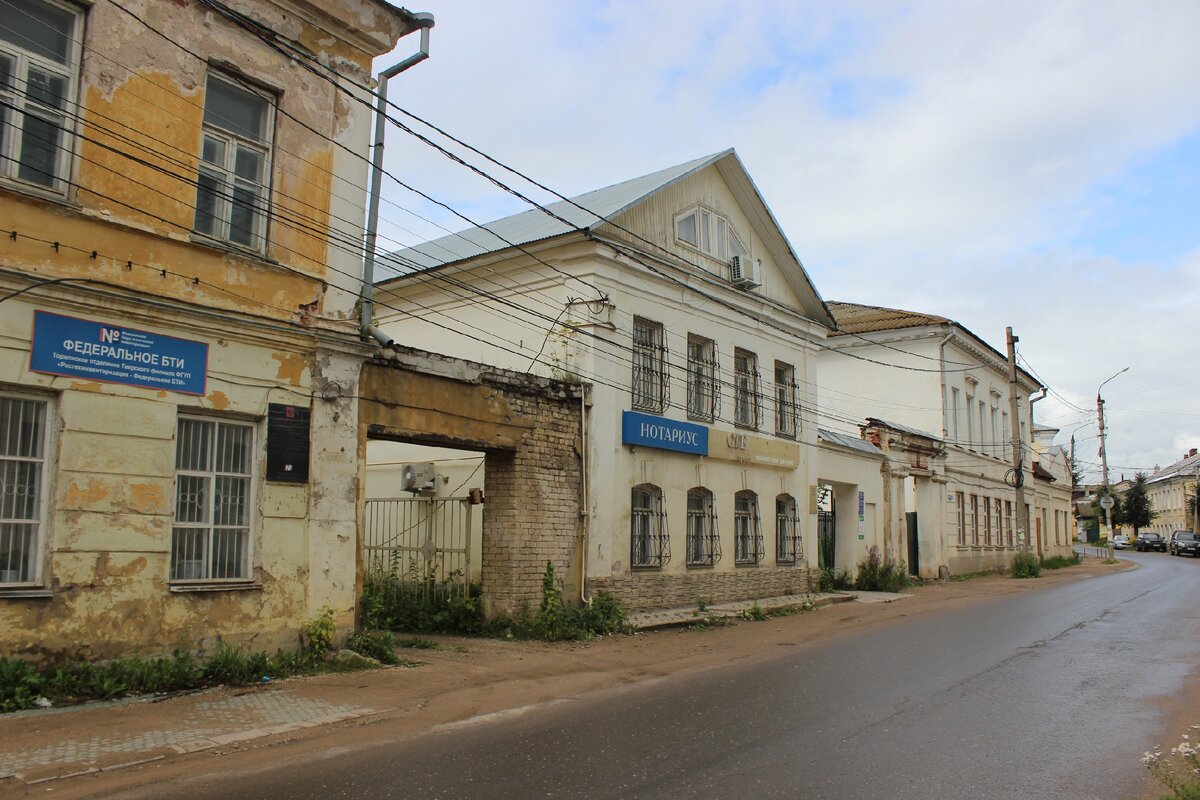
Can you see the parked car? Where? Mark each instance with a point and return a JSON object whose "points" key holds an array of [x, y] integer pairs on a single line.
{"points": [[1120, 542], [1185, 543], [1150, 541]]}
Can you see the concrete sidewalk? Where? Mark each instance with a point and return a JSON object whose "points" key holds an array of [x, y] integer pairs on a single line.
{"points": [[47, 744]]}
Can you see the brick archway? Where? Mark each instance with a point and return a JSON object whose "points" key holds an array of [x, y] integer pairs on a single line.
{"points": [[529, 429]]}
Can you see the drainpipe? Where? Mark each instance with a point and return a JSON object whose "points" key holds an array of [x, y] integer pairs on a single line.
{"points": [[942, 374], [585, 512], [425, 22]]}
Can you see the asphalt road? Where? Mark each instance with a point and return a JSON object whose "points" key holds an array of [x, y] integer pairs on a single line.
{"points": [[1047, 694]]}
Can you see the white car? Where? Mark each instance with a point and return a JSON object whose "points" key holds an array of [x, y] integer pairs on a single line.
{"points": [[1120, 542]]}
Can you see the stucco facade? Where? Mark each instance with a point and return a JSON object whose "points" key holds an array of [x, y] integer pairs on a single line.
{"points": [[1169, 489], [933, 381], [200, 483], [701, 476]]}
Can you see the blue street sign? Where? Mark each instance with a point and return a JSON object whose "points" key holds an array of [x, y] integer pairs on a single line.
{"points": [[98, 351], [646, 430]]}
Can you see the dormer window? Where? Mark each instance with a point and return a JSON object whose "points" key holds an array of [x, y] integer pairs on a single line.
{"points": [[709, 233]]}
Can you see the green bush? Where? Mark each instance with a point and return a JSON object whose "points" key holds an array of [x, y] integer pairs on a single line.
{"points": [[423, 606], [319, 631], [20, 684], [556, 621], [835, 580], [876, 574], [379, 645], [1025, 565]]}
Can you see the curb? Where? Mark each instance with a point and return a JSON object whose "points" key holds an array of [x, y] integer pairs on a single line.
{"points": [[694, 618]]}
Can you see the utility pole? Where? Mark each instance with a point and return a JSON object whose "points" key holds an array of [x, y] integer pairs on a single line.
{"points": [[1104, 459], [1014, 410]]}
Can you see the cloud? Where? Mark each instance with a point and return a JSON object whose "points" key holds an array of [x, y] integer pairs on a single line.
{"points": [[957, 158]]}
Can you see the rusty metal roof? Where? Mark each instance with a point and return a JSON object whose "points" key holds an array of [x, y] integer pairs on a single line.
{"points": [[856, 318]]}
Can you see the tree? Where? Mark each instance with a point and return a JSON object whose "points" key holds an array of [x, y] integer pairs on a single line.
{"points": [[1137, 509], [1193, 506]]}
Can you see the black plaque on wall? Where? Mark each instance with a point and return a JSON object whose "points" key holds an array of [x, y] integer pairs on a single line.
{"points": [[287, 443]]}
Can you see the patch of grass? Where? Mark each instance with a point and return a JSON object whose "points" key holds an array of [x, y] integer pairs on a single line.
{"points": [[753, 613], [417, 643], [967, 576], [379, 645], [1025, 565], [1058, 562]]}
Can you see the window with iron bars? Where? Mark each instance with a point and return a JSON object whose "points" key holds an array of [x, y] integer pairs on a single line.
{"points": [[704, 399], [703, 541], [747, 403], [789, 547], [22, 493], [787, 412], [650, 547], [747, 529], [210, 538], [650, 385]]}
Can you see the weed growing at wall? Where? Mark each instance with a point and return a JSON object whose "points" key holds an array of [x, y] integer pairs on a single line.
{"points": [[318, 632], [876, 574], [555, 621], [835, 580], [1025, 565]]}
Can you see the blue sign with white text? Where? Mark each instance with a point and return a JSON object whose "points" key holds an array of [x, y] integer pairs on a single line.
{"points": [[646, 430], [80, 348]]}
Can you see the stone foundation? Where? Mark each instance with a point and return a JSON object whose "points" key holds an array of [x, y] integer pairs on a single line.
{"points": [[640, 591]]}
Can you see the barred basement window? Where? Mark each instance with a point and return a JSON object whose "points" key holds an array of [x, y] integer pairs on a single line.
{"points": [[649, 366], [650, 547], [787, 416], [746, 399], [789, 548], [747, 529], [22, 466], [210, 540], [703, 541], [703, 397]]}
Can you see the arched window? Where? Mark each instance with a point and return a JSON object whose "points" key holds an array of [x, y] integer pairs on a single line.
{"points": [[703, 543], [747, 531], [789, 549], [649, 546]]}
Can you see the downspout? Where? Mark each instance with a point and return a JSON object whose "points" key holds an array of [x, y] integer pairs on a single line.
{"points": [[942, 374], [425, 22], [585, 510]]}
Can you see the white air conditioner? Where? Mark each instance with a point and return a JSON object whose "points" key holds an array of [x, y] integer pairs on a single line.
{"points": [[743, 271], [418, 478]]}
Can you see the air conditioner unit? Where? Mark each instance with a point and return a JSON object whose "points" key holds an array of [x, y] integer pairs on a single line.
{"points": [[418, 478], [743, 271]]}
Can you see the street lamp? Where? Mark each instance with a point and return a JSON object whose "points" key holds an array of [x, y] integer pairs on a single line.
{"points": [[1107, 502]]}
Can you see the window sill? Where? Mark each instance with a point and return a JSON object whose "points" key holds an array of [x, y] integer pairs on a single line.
{"points": [[25, 593], [744, 564], [237, 586], [229, 247], [40, 192]]}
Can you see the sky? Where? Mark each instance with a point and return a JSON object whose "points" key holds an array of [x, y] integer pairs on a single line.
{"points": [[1025, 164]]}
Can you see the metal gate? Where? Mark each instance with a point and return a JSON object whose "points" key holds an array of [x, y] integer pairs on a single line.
{"points": [[914, 552], [419, 543], [826, 529]]}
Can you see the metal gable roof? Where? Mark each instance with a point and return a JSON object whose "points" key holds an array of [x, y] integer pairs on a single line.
{"points": [[596, 208], [535, 225]]}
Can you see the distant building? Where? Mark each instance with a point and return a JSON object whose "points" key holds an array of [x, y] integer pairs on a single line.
{"points": [[948, 389], [1168, 489]]}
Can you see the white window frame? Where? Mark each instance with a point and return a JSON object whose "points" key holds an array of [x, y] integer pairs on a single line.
{"points": [[747, 529], [787, 409], [12, 120], [225, 172], [34, 558], [649, 541], [204, 574], [702, 371], [746, 399], [703, 541], [650, 385], [715, 237]]}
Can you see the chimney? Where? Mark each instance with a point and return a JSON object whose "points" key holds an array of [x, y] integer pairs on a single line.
{"points": [[1191, 452]]}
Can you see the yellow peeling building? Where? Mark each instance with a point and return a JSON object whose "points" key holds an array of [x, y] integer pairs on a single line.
{"points": [[181, 201]]}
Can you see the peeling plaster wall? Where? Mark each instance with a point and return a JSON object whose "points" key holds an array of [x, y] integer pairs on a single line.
{"points": [[280, 328]]}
